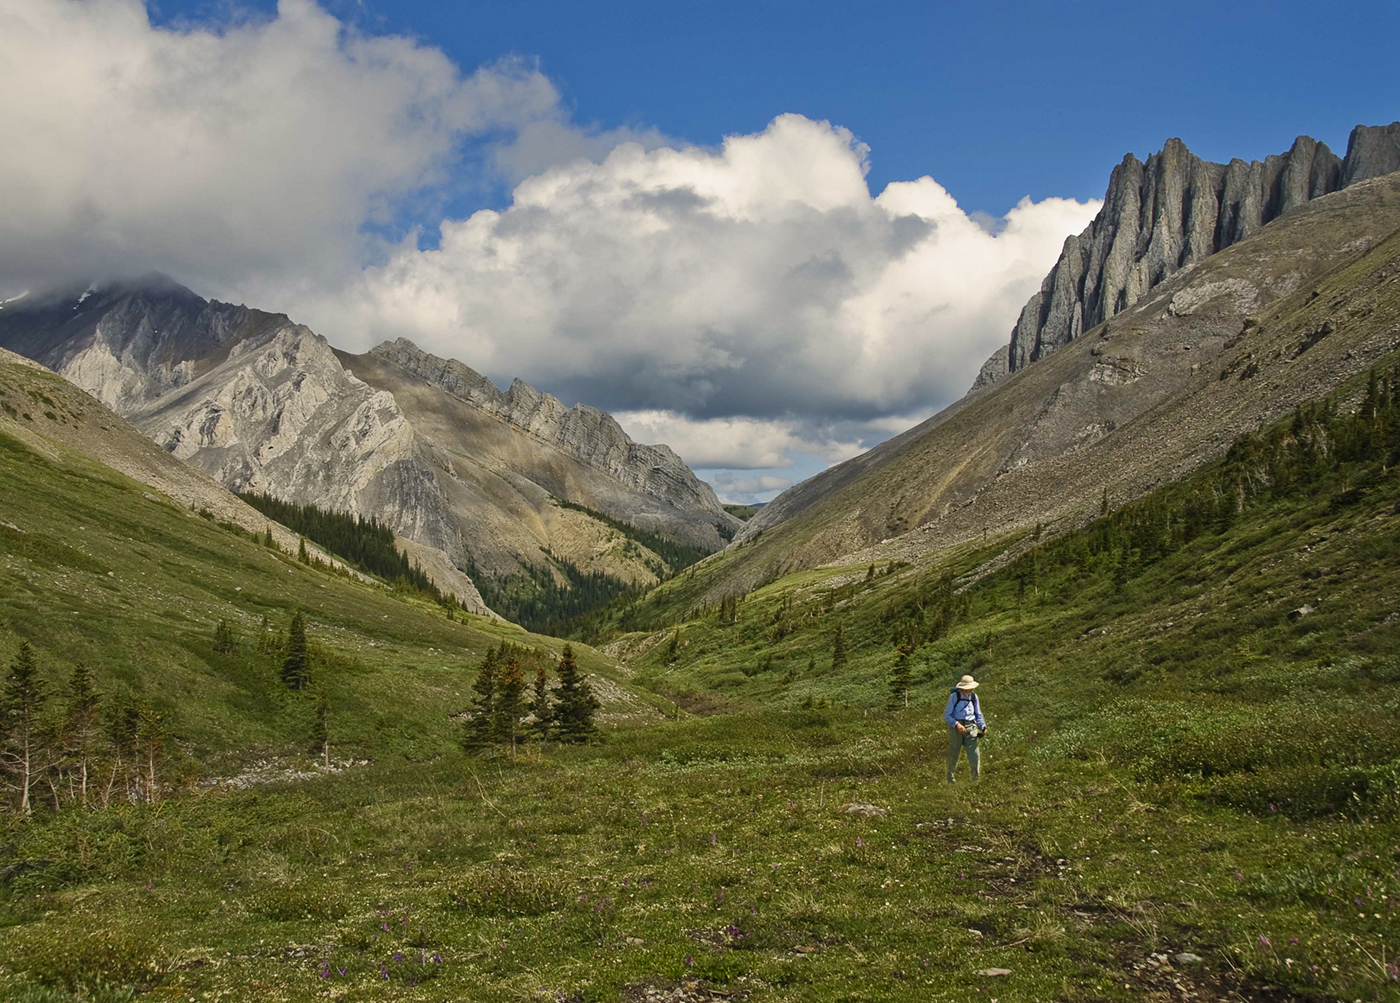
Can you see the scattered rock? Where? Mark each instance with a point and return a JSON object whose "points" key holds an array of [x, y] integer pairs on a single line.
{"points": [[863, 810], [1187, 958], [1297, 614], [993, 972]]}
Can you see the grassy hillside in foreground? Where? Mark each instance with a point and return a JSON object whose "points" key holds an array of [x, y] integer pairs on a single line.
{"points": [[99, 569], [1173, 765]]}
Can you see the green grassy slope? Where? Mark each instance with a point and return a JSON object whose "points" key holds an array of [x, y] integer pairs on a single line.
{"points": [[99, 569], [1174, 764]]}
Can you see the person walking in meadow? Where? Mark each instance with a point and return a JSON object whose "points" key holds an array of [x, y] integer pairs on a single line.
{"points": [[963, 716]]}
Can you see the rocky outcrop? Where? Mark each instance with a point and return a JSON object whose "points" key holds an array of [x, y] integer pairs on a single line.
{"points": [[586, 433], [1168, 214]]}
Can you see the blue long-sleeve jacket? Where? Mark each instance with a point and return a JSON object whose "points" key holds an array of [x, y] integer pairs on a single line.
{"points": [[958, 710]]}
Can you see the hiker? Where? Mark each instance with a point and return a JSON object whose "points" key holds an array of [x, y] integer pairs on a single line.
{"points": [[963, 716]]}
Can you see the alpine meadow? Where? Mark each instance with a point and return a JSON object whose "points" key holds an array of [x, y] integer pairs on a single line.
{"points": [[332, 671]]}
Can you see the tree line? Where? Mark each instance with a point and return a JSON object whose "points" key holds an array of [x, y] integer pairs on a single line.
{"points": [[366, 544]]}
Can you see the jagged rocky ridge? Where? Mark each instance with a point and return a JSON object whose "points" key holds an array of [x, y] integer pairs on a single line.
{"points": [[264, 404], [1283, 316], [1167, 214]]}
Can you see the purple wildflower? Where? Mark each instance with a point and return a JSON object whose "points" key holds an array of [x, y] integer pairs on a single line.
{"points": [[437, 959], [689, 961], [398, 956]]}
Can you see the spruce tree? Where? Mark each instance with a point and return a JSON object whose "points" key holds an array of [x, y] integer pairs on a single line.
{"points": [[267, 537], [150, 740], [20, 708], [838, 649], [576, 703], [510, 704], [302, 555], [224, 641], [80, 733], [899, 679], [540, 705], [296, 666], [477, 733], [122, 721]]}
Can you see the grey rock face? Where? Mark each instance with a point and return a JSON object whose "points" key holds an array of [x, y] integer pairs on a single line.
{"points": [[263, 404], [586, 433], [1166, 215]]}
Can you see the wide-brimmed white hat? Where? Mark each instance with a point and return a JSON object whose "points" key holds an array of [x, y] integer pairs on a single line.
{"points": [[967, 683]]}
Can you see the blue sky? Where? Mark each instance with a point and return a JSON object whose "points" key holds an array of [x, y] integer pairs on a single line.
{"points": [[996, 100], [768, 234]]}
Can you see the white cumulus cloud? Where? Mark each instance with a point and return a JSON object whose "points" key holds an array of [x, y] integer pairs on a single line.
{"points": [[265, 148], [747, 303], [760, 281]]}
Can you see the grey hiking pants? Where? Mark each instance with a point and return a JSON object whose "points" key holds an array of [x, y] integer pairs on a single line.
{"points": [[957, 741]]}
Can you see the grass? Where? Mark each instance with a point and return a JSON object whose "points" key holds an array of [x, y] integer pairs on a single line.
{"points": [[98, 570], [709, 852], [1173, 765]]}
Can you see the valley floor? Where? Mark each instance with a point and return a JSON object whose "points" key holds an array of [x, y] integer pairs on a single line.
{"points": [[710, 859]]}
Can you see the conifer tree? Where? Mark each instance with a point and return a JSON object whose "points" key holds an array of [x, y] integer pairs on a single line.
{"points": [[150, 740], [838, 649], [267, 537], [899, 679], [302, 555], [122, 721], [80, 733], [477, 733], [510, 704], [20, 708], [576, 703], [811, 665], [224, 641], [296, 665], [540, 705]]}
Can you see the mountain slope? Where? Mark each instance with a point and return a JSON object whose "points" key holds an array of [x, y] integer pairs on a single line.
{"points": [[108, 561], [1280, 317], [263, 404]]}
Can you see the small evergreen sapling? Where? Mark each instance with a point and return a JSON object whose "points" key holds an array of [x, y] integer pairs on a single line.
{"points": [[21, 706], [510, 704], [476, 734], [80, 725], [576, 704], [296, 665], [838, 649]]}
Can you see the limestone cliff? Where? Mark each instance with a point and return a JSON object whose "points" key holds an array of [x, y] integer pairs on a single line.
{"points": [[1168, 214]]}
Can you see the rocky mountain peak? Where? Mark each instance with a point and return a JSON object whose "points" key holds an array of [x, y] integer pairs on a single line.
{"points": [[1167, 214], [586, 433]]}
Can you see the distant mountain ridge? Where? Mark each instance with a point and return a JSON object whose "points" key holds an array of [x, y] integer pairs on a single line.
{"points": [[1168, 214], [264, 404]]}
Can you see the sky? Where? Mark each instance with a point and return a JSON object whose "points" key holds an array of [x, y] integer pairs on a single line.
{"points": [[768, 234]]}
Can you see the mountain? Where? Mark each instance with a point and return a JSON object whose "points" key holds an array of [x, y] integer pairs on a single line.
{"points": [[472, 476], [1167, 214], [1279, 317]]}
